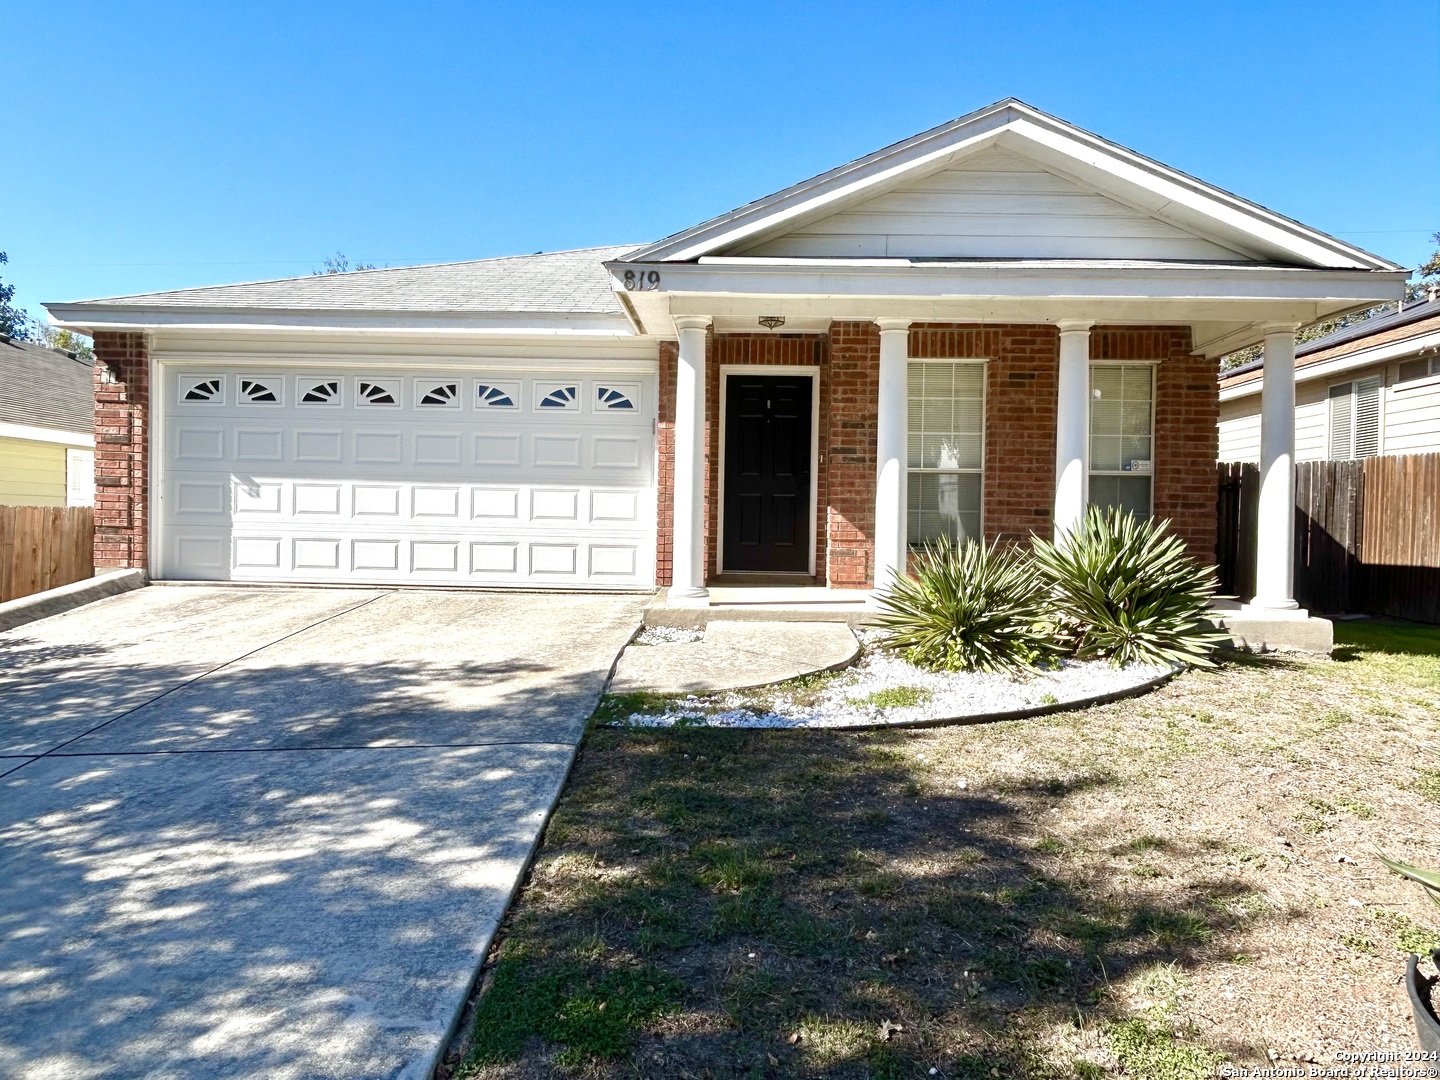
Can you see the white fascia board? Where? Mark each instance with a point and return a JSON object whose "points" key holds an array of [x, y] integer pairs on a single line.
{"points": [[900, 278], [32, 433], [107, 317], [1169, 187], [1377, 354]]}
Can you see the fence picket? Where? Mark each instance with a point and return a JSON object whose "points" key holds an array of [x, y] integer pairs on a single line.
{"points": [[42, 547]]}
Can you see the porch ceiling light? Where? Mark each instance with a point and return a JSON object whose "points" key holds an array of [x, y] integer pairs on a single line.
{"points": [[772, 321]]}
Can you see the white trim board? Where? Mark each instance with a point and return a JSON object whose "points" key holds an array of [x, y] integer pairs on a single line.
{"points": [[1339, 365], [34, 433]]}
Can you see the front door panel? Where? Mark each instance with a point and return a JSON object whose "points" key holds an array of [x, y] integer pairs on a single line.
{"points": [[767, 473]]}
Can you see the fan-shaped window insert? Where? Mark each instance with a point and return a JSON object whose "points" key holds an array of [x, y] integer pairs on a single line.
{"points": [[609, 397], [488, 396], [443, 395], [207, 390], [321, 393], [255, 392], [562, 397], [374, 393]]}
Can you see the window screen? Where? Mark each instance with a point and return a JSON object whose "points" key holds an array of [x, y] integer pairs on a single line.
{"points": [[1355, 419]]}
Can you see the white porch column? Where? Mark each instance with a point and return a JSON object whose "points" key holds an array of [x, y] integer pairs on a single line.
{"points": [[688, 529], [890, 451], [1275, 533], [1072, 425]]}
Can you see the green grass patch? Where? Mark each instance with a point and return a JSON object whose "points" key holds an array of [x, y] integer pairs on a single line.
{"points": [[589, 1011], [1151, 1050], [618, 708], [895, 697], [1405, 933]]}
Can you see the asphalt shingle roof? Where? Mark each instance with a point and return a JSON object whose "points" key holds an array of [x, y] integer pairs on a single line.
{"points": [[45, 388], [556, 282]]}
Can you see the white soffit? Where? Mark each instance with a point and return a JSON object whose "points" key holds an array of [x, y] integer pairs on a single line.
{"points": [[1170, 198]]}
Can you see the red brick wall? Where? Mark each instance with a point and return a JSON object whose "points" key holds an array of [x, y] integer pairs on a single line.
{"points": [[850, 512], [1020, 385], [665, 464], [783, 350], [1187, 412], [1020, 407], [122, 457]]}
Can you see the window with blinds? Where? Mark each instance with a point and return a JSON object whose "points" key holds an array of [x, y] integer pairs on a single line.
{"points": [[1355, 419], [1122, 424], [946, 401]]}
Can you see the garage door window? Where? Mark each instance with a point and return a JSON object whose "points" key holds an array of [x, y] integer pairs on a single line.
{"points": [[320, 393], [491, 396], [256, 392], [562, 397], [615, 397], [439, 395], [379, 393], [202, 390]]}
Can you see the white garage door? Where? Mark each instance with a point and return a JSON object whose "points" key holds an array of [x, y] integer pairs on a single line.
{"points": [[486, 478]]}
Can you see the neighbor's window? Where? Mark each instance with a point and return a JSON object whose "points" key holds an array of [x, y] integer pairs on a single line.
{"points": [[946, 445], [1355, 419], [1419, 368], [1122, 428]]}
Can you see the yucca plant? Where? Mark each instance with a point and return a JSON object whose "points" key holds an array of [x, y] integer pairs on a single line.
{"points": [[1429, 880], [1123, 589], [967, 606]]}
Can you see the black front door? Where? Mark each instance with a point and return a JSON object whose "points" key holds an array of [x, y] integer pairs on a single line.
{"points": [[767, 473]]}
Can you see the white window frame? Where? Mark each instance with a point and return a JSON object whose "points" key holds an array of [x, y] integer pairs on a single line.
{"points": [[983, 363], [1353, 398], [1090, 469]]}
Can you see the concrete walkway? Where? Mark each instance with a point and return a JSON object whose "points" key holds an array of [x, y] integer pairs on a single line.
{"points": [[734, 656], [271, 832]]}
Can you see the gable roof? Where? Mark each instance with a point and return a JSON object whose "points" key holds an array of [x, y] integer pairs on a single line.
{"points": [[42, 387], [559, 282], [1165, 194]]}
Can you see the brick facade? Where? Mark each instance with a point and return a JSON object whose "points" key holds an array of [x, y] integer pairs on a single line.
{"points": [[1020, 412], [122, 450]]}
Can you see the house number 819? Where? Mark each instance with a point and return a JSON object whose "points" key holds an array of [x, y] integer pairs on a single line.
{"points": [[644, 282]]}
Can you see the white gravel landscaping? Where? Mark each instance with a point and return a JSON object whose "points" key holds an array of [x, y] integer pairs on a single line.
{"points": [[882, 688], [667, 635]]}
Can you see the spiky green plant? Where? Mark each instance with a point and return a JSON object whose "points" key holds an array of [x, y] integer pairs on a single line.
{"points": [[967, 606], [1429, 880], [1123, 589]]}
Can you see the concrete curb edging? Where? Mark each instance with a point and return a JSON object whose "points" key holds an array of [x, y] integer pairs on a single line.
{"points": [[42, 605], [1137, 690]]}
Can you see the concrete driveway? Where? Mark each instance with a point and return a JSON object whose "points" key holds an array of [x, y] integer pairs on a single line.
{"points": [[271, 832]]}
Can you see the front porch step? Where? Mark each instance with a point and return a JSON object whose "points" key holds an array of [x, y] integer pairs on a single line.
{"points": [[754, 603]]}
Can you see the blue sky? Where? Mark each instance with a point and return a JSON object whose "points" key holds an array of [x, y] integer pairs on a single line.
{"points": [[160, 146]]}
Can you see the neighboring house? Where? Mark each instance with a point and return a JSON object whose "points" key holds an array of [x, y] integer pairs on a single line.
{"points": [[47, 441], [969, 333], [1372, 388]]}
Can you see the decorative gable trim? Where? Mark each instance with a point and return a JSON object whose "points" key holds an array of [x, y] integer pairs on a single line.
{"points": [[1166, 193]]}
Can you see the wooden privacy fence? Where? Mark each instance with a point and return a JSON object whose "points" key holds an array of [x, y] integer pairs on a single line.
{"points": [[42, 547], [1367, 534]]}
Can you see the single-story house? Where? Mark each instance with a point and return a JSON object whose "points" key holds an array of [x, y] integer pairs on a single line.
{"points": [[1367, 389], [47, 444], [972, 332]]}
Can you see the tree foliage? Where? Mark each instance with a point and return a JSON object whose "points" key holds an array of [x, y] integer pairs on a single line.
{"points": [[13, 320], [339, 264]]}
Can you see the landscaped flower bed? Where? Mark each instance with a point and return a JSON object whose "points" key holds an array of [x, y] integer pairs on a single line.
{"points": [[883, 688]]}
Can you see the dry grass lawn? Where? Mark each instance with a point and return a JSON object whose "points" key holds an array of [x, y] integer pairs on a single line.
{"points": [[1147, 888]]}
